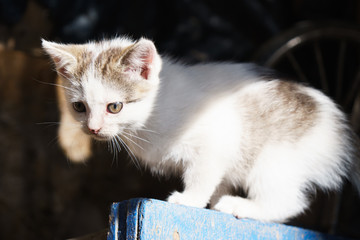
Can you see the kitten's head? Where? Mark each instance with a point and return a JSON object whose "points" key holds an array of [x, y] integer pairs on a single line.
{"points": [[109, 85]]}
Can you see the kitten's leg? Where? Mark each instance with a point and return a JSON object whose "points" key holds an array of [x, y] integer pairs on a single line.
{"points": [[200, 179], [276, 190], [75, 143], [268, 210], [222, 189]]}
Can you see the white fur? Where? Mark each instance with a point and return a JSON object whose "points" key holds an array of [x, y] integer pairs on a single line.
{"points": [[203, 136], [194, 124]]}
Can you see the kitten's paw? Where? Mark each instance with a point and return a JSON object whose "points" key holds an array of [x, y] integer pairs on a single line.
{"points": [[226, 205], [76, 145], [237, 206], [78, 152], [186, 199]]}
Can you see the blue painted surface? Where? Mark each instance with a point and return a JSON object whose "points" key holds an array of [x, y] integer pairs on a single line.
{"points": [[147, 219]]}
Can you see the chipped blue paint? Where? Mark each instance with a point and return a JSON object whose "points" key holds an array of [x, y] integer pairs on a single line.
{"points": [[145, 219]]}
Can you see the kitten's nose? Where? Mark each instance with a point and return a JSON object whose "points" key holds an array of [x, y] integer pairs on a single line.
{"points": [[94, 131]]}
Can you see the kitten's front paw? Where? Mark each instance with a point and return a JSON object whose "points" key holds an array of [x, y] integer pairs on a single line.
{"points": [[237, 206], [186, 199], [76, 144], [226, 205]]}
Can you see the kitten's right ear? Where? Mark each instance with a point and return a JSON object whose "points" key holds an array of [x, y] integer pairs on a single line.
{"points": [[62, 56]]}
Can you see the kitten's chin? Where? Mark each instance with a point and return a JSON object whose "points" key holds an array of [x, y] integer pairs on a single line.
{"points": [[100, 137]]}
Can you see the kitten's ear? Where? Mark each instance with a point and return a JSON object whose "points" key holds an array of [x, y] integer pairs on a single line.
{"points": [[62, 56], [142, 58]]}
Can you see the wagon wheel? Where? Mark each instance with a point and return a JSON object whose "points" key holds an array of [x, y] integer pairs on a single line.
{"points": [[325, 55]]}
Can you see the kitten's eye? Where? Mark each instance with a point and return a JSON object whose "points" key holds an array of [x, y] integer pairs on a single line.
{"points": [[114, 107], [79, 107]]}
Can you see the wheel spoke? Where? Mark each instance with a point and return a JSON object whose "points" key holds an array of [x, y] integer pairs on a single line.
{"points": [[296, 67], [340, 69], [354, 90], [321, 68]]}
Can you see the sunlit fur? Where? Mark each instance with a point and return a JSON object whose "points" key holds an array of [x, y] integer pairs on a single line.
{"points": [[220, 125]]}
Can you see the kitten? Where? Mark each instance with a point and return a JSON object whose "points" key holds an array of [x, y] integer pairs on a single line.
{"points": [[220, 125]]}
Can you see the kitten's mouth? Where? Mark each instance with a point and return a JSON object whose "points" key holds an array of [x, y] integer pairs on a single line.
{"points": [[97, 136], [100, 137]]}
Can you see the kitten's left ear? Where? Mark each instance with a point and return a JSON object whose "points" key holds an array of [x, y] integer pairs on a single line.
{"points": [[142, 58]]}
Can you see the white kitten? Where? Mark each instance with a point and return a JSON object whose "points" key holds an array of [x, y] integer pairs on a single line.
{"points": [[221, 126]]}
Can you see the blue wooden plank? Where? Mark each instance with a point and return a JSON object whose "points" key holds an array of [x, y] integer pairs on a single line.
{"points": [[147, 219], [116, 229]]}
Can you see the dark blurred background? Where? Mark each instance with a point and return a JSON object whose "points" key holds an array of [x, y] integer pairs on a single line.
{"points": [[44, 196]]}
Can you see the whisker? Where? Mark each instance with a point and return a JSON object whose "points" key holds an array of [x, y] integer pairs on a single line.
{"points": [[64, 76], [134, 136], [108, 145], [56, 85], [117, 145], [55, 140], [147, 130], [140, 129], [128, 150], [66, 127], [133, 142], [115, 150], [48, 123]]}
